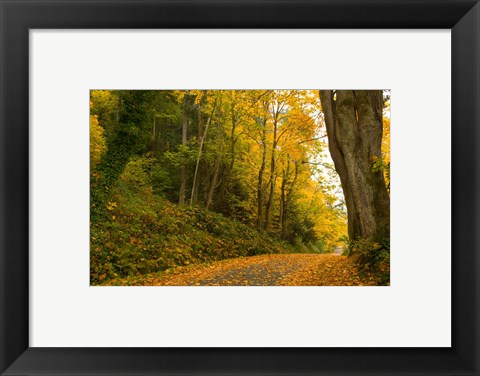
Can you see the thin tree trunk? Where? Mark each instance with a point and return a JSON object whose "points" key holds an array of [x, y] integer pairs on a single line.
{"points": [[288, 200], [213, 183], [260, 177], [183, 169], [233, 141], [268, 208], [119, 106], [154, 127], [200, 149], [216, 167], [154, 133], [283, 203]]}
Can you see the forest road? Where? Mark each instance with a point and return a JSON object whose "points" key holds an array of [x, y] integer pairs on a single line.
{"points": [[264, 270]]}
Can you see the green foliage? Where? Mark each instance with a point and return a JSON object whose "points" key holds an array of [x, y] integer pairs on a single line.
{"points": [[310, 247], [137, 173], [146, 233], [185, 155], [373, 257], [121, 145], [301, 228], [234, 203], [164, 182], [379, 165]]}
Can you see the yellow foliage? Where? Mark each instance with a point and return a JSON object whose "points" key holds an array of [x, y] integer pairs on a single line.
{"points": [[386, 147], [98, 145], [111, 205]]}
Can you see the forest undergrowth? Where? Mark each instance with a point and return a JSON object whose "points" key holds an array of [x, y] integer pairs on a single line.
{"points": [[146, 233]]}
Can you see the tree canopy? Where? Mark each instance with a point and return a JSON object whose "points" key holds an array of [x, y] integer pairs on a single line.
{"points": [[258, 160]]}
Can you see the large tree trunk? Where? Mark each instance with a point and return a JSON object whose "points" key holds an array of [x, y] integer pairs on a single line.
{"points": [[354, 125]]}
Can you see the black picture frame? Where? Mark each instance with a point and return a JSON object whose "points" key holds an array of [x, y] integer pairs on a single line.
{"points": [[18, 16]]}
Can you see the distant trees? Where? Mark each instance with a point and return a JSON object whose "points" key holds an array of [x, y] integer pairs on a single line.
{"points": [[354, 122], [244, 153]]}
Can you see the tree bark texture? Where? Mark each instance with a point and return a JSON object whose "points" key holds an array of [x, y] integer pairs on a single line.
{"points": [[353, 119]]}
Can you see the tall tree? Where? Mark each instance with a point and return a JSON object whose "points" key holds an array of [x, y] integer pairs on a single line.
{"points": [[200, 149], [287, 190], [261, 171], [183, 168], [122, 144], [279, 103], [353, 119], [277, 107]]}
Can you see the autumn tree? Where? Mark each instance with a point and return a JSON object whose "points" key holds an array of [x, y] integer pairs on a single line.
{"points": [[183, 168], [124, 141], [106, 108], [354, 124], [261, 125], [246, 154]]}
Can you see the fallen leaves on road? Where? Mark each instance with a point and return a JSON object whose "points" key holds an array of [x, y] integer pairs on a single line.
{"points": [[328, 270], [264, 270]]}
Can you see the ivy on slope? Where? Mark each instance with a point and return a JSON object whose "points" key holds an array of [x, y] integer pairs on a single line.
{"points": [[145, 233]]}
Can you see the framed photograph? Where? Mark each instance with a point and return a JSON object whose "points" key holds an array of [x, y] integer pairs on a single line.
{"points": [[232, 187]]}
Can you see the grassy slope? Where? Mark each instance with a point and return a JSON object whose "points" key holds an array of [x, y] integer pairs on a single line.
{"points": [[146, 234]]}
